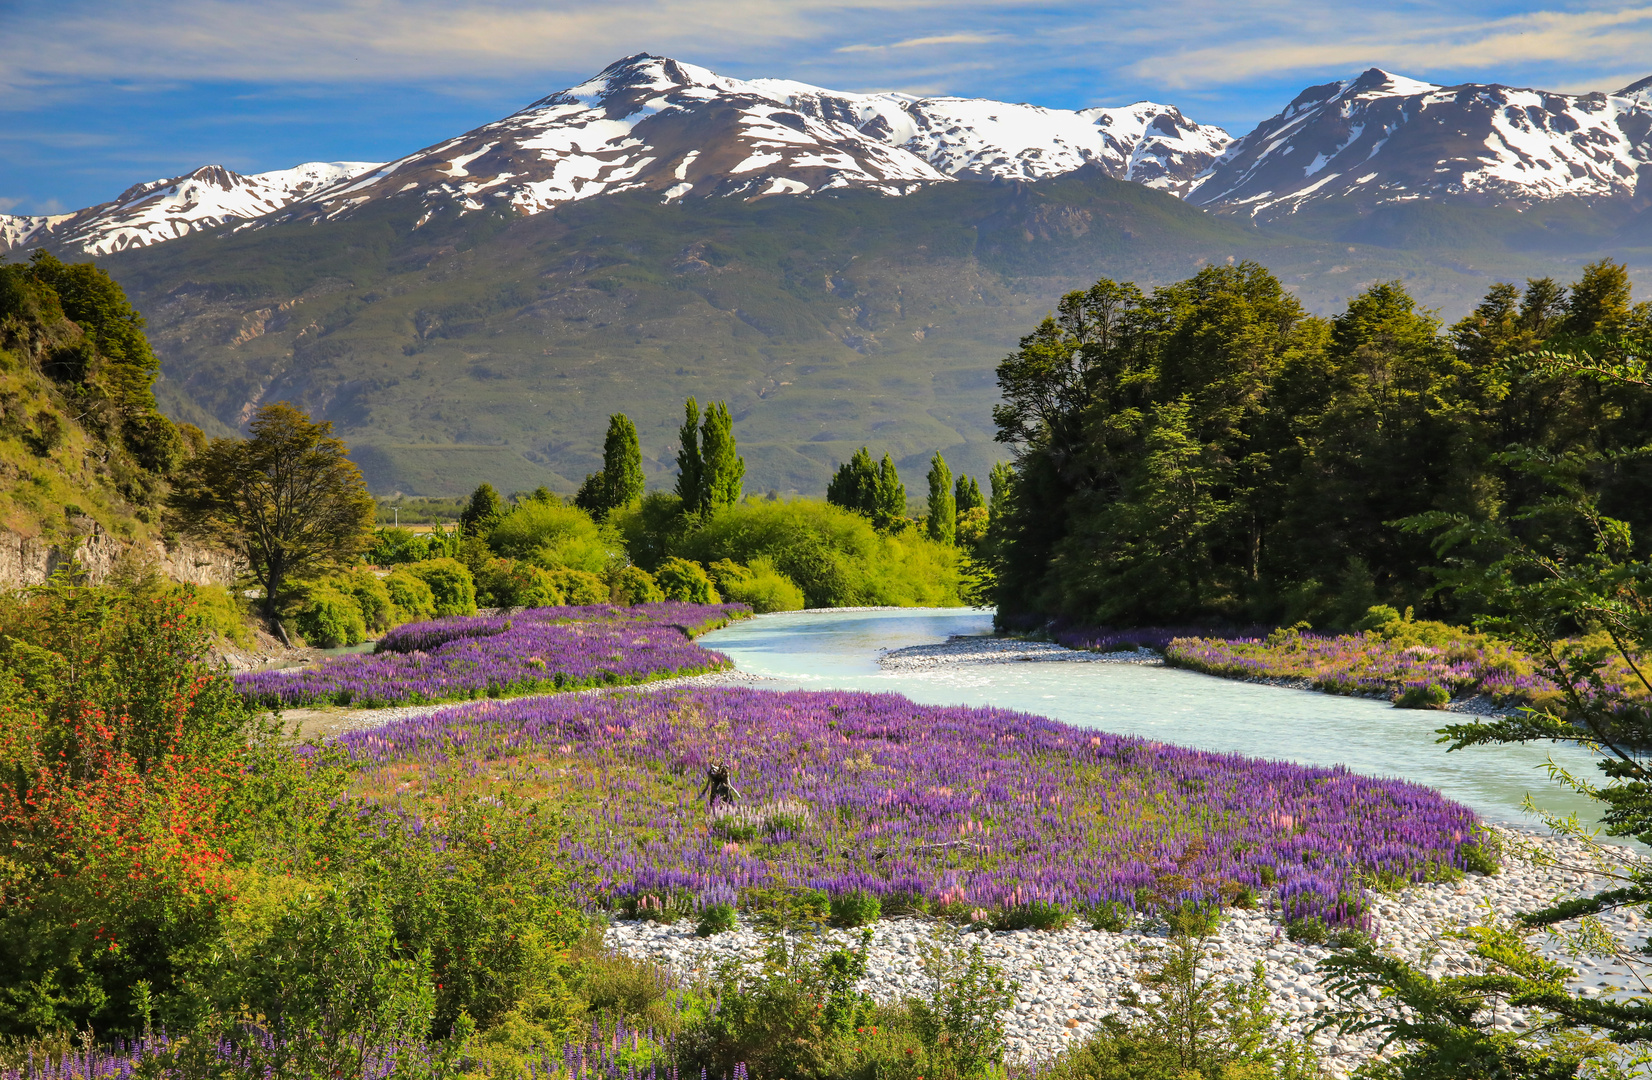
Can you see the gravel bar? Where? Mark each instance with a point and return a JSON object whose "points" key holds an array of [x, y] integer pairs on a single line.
{"points": [[968, 649], [1070, 979]]}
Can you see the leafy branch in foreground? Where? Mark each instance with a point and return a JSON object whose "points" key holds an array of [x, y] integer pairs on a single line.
{"points": [[1565, 584]]}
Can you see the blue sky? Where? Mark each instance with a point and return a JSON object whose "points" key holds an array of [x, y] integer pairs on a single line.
{"points": [[96, 95]]}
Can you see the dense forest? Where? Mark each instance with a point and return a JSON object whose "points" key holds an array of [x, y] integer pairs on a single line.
{"points": [[1208, 452]]}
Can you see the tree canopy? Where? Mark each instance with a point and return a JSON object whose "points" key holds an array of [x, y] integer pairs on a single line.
{"points": [[287, 499], [620, 483], [1210, 451], [942, 520], [874, 491]]}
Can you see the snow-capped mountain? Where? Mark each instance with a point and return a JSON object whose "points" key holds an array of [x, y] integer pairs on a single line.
{"points": [[652, 123], [649, 123], [1147, 143], [167, 209], [1383, 138]]}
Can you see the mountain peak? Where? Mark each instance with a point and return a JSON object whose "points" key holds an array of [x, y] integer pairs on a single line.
{"points": [[648, 122], [1641, 89], [1383, 138], [1377, 82], [171, 207]]}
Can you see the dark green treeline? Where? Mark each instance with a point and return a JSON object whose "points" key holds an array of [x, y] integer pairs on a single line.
{"points": [[1210, 452]]}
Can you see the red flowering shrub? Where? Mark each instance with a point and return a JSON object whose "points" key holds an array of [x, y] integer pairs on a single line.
{"points": [[121, 755]]}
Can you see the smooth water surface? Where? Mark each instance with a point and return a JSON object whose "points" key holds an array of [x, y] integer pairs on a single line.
{"points": [[839, 650]]}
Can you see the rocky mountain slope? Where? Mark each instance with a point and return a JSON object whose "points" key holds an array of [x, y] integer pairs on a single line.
{"points": [[650, 123], [1383, 138], [166, 209], [653, 124], [844, 269]]}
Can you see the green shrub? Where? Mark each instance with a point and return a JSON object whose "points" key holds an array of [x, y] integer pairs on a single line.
{"points": [[1192, 1028], [799, 1017], [371, 595], [716, 919], [218, 610], [1037, 915], [759, 586], [640, 992], [553, 536], [412, 597], [634, 585], [580, 587], [787, 905], [1194, 920], [1308, 930], [329, 618], [960, 1023], [858, 908], [1112, 916], [832, 555], [451, 585], [1432, 696], [685, 581], [507, 583], [1479, 858], [904, 903]]}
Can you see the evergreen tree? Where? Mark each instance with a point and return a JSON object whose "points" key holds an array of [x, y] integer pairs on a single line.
{"points": [[943, 508], [620, 482], [889, 502], [855, 486], [722, 470], [483, 513], [689, 488], [1001, 479], [966, 494]]}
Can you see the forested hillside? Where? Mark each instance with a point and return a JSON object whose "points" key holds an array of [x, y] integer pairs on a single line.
{"points": [[1208, 451], [82, 444], [490, 348]]}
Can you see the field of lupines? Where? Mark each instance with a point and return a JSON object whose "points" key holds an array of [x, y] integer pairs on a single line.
{"points": [[1412, 675], [533, 651], [973, 808]]}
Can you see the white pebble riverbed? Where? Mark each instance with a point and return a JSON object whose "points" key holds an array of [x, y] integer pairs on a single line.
{"points": [[1070, 979]]}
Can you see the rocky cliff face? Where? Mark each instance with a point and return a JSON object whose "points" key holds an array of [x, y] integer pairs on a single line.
{"points": [[27, 560]]}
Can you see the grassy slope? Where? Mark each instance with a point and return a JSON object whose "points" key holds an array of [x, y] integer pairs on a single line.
{"points": [[490, 349], [42, 480]]}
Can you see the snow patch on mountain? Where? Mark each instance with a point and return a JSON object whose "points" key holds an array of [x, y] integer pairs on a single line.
{"points": [[679, 131], [1385, 138], [652, 123], [173, 207]]}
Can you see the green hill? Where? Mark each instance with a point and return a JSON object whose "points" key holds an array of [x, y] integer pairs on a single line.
{"points": [[492, 348], [82, 447]]}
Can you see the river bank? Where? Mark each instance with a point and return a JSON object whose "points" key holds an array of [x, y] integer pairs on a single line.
{"points": [[1069, 980], [964, 649]]}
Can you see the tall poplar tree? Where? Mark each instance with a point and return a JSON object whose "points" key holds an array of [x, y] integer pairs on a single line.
{"points": [[722, 470], [889, 506], [966, 494], [1001, 479], [943, 508], [620, 482], [689, 466]]}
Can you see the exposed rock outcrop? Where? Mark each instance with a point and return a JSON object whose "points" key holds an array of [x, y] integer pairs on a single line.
{"points": [[28, 560]]}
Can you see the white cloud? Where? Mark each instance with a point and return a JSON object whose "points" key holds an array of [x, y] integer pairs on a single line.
{"points": [[1609, 39], [918, 42]]}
